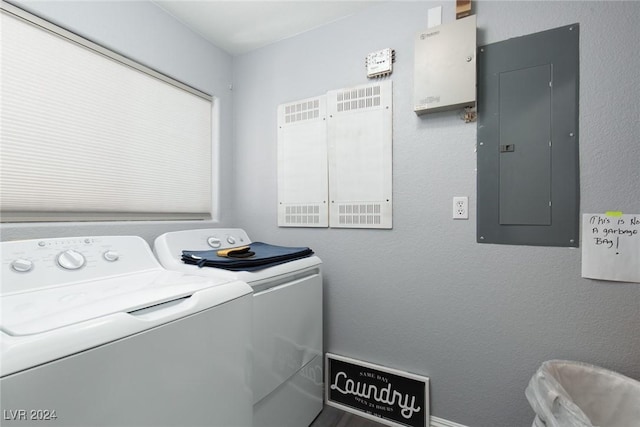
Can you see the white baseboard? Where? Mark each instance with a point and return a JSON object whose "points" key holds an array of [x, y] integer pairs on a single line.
{"points": [[440, 422]]}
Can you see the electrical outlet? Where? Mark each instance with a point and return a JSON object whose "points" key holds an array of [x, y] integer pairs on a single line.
{"points": [[461, 207]]}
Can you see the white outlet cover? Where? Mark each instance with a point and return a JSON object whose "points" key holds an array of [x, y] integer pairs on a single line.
{"points": [[460, 207]]}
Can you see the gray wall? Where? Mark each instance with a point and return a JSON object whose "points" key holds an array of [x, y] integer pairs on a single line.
{"points": [[424, 297], [142, 31]]}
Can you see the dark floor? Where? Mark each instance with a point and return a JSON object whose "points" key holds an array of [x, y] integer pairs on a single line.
{"points": [[333, 417]]}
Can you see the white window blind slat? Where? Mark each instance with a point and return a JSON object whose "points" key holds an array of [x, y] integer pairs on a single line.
{"points": [[83, 133]]}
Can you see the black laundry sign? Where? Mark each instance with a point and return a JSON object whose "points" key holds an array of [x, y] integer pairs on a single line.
{"points": [[386, 395]]}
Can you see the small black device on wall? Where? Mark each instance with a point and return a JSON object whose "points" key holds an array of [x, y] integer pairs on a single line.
{"points": [[528, 164]]}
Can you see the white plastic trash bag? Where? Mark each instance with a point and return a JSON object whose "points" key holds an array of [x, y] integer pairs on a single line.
{"points": [[573, 394]]}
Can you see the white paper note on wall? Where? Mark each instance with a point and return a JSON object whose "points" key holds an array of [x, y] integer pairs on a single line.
{"points": [[611, 247]]}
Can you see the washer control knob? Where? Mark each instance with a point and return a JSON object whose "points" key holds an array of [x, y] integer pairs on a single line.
{"points": [[22, 265], [71, 260], [231, 240], [214, 242], [111, 256]]}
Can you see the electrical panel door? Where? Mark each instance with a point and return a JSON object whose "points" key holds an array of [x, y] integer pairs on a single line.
{"points": [[528, 175]]}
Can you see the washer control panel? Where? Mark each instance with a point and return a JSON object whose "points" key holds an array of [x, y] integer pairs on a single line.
{"points": [[226, 238], [169, 246], [204, 239], [41, 263]]}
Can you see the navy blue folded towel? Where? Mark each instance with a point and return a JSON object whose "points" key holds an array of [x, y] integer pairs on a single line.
{"points": [[266, 255]]}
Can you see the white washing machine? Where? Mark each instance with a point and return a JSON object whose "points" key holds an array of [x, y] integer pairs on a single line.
{"points": [[287, 324], [94, 332]]}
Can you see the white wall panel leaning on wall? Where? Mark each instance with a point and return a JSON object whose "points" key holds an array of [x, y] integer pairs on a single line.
{"points": [[335, 159]]}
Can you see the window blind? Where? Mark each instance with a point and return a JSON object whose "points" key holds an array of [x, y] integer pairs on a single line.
{"points": [[89, 135]]}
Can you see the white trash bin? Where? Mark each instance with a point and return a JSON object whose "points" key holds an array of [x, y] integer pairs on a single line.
{"points": [[573, 394]]}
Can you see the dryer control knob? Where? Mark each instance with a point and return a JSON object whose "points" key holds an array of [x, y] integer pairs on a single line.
{"points": [[22, 265], [71, 260], [111, 256], [214, 242], [231, 240]]}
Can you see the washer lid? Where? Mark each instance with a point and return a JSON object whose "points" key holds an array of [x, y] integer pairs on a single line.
{"points": [[41, 311]]}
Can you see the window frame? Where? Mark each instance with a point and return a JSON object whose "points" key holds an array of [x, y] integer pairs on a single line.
{"points": [[19, 216]]}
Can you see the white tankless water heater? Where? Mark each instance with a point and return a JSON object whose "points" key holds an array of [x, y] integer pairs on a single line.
{"points": [[445, 67]]}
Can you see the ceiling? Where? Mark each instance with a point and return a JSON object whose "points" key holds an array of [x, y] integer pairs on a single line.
{"points": [[239, 26]]}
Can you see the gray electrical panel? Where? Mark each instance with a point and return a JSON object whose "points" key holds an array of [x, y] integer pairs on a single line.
{"points": [[528, 165]]}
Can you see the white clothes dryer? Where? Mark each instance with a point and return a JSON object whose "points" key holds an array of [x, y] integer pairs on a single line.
{"points": [[287, 324], [94, 332]]}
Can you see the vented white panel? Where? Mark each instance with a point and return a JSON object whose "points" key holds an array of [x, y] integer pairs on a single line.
{"points": [[357, 98], [302, 164], [366, 214], [85, 135], [360, 156]]}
